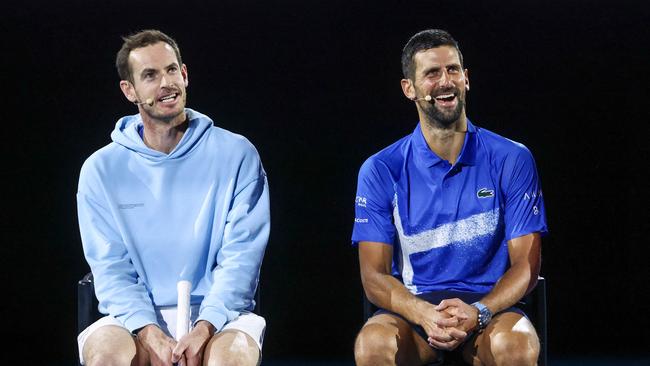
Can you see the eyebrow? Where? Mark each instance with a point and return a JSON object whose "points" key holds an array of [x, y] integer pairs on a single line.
{"points": [[432, 68], [438, 67], [146, 71], [150, 69], [173, 64]]}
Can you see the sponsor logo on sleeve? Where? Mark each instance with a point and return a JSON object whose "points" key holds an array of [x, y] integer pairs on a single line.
{"points": [[485, 193], [532, 195], [360, 221], [360, 201]]}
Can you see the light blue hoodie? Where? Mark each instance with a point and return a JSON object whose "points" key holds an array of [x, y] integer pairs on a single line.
{"points": [[149, 219]]}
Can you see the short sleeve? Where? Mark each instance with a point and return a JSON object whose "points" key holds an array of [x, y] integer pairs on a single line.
{"points": [[373, 204], [524, 203]]}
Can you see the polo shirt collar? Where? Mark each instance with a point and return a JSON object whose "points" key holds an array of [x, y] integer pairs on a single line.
{"points": [[468, 153], [427, 157]]}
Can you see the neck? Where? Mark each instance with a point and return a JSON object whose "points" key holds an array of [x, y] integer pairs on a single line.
{"points": [[161, 135], [445, 141]]}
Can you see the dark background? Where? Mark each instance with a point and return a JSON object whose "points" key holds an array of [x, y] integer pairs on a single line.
{"points": [[315, 86]]}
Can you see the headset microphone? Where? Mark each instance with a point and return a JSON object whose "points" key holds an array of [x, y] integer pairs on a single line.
{"points": [[148, 102], [427, 98]]}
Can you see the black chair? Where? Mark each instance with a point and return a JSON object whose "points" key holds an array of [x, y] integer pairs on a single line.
{"points": [[87, 304], [533, 304]]}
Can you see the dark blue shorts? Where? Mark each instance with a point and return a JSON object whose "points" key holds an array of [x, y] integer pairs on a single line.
{"points": [[437, 296]]}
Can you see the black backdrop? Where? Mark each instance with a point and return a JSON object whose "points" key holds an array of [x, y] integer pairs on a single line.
{"points": [[315, 86]]}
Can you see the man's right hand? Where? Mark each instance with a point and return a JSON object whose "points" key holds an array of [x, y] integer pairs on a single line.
{"points": [[157, 344], [441, 327], [387, 292]]}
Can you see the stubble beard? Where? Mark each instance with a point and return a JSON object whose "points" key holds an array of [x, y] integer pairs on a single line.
{"points": [[166, 118], [443, 119]]}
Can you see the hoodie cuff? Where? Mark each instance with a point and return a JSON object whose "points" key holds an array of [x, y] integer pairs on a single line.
{"points": [[138, 320], [217, 319]]}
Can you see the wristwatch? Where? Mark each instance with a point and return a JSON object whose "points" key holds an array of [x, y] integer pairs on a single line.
{"points": [[484, 315]]}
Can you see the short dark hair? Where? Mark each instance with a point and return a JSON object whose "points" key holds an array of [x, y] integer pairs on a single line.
{"points": [[424, 40], [141, 39]]}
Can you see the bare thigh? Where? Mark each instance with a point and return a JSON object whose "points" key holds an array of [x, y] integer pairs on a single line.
{"points": [[231, 347], [115, 345], [508, 335], [389, 339]]}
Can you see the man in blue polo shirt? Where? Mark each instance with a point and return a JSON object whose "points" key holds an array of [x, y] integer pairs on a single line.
{"points": [[448, 224]]}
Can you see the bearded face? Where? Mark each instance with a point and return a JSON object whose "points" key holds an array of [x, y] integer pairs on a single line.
{"points": [[445, 107], [439, 74]]}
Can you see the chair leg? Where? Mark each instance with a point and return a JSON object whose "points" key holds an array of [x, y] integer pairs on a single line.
{"points": [[85, 297], [87, 311], [542, 321]]}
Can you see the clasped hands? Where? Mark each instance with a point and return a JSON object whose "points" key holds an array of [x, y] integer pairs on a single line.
{"points": [[448, 323], [165, 351]]}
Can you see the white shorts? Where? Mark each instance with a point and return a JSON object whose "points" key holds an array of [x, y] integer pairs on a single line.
{"points": [[251, 324]]}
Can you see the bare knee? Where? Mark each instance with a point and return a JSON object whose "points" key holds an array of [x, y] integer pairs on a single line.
{"points": [[514, 348], [375, 345], [109, 346], [108, 359], [232, 348]]}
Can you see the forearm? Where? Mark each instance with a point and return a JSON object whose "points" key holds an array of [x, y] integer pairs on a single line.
{"points": [[513, 285], [235, 276], [389, 293], [115, 278], [234, 282], [521, 277]]}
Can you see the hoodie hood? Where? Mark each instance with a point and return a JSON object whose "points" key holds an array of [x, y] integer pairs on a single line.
{"points": [[126, 134]]}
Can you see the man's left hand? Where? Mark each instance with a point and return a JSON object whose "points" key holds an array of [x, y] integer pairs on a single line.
{"points": [[467, 316], [189, 349]]}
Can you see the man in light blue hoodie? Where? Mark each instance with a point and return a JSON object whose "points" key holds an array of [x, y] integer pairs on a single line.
{"points": [[171, 198]]}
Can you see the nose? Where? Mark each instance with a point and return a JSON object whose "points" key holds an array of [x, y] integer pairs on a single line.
{"points": [[445, 78], [165, 81]]}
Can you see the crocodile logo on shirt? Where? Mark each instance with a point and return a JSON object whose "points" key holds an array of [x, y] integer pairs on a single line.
{"points": [[485, 193]]}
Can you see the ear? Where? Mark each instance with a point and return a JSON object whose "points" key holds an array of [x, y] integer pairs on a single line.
{"points": [[128, 90], [407, 88], [184, 73], [466, 79]]}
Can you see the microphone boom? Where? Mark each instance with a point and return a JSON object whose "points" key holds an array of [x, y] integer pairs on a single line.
{"points": [[148, 102]]}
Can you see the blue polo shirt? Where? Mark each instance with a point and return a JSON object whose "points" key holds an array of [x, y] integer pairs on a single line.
{"points": [[449, 224]]}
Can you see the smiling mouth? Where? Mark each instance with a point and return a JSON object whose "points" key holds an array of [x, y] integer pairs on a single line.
{"points": [[445, 97], [168, 98]]}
